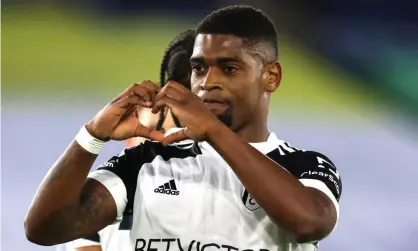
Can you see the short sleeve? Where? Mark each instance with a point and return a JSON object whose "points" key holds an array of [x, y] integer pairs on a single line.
{"points": [[93, 240], [119, 176], [68, 246], [315, 170]]}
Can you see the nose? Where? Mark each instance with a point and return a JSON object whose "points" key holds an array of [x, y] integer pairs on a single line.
{"points": [[212, 81]]}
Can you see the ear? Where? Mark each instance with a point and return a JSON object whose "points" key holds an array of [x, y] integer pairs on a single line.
{"points": [[272, 76]]}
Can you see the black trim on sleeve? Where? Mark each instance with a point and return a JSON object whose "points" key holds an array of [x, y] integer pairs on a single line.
{"points": [[310, 165], [126, 223], [128, 164]]}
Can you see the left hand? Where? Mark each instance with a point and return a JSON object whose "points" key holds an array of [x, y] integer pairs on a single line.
{"points": [[189, 108]]}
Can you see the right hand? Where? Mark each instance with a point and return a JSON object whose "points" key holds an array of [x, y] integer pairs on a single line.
{"points": [[118, 120]]}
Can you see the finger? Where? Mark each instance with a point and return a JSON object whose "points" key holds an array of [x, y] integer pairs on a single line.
{"points": [[177, 86], [132, 100], [169, 92], [175, 137], [163, 102], [151, 84], [125, 93], [148, 84], [148, 133], [130, 110], [173, 91], [158, 106], [147, 91]]}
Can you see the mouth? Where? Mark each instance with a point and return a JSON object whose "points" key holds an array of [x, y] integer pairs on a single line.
{"points": [[214, 104]]}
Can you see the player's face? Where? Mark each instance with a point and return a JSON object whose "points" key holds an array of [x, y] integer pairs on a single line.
{"points": [[228, 79]]}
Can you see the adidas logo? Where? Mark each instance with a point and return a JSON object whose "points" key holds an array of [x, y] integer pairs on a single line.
{"points": [[168, 188]]}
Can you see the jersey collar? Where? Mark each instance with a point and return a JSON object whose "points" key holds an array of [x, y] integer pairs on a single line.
{"points": [[269, 145], [265, 147]]}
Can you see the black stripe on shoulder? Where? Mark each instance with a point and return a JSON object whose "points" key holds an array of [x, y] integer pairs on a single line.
{"points": [[128, 164], [151, 150], [144, 153], [309, 165]]}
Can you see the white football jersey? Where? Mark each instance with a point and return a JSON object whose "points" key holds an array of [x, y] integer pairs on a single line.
{"points": [[186, 197], [65, 247]]}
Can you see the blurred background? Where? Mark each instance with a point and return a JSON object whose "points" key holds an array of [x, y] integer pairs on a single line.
{"points": [[350, 90]]}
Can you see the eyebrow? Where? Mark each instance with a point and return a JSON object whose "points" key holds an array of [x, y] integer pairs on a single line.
{"points": [[221, 60]]}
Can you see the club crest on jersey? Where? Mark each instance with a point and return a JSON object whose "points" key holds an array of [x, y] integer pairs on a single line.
{"points": [[249, 201]]}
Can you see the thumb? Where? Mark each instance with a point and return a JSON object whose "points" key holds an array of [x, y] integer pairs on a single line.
{"points": [[148, 133], [175, 137]]}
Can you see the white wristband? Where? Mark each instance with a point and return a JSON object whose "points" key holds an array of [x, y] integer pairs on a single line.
{"points": [[88, 142]]}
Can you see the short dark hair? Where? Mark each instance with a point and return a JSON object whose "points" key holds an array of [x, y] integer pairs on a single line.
{"points": [[248, 23], [176, 66]]}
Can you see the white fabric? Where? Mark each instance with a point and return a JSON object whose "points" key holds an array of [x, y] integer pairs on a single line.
{"points": [[209, 210], [172, 130], [111, 239], [323, 188], [65, 247], [84, 243], [115, 186]]}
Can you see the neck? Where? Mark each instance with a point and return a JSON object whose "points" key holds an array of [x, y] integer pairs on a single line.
{"points": [[254, 132]]}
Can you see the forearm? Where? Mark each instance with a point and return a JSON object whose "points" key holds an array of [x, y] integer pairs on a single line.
{"points": [[277, 191], [55, 204]]}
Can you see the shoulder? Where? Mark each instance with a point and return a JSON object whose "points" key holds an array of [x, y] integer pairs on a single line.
{"points": [[284, 152], [134, 157], [298, 156], [65, 247], [309, 166]]}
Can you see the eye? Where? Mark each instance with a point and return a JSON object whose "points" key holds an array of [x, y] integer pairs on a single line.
{"points": [[197, 69], [230, 69]]}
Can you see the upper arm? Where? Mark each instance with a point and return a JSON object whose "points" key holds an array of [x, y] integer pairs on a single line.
{"points": [[103, 198], [108, 193], [95, 210], [118, 176], [317, 172]]}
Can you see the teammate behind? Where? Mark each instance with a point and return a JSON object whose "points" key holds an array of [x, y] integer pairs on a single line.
{"points": [[175, 66], [237, 187]]}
